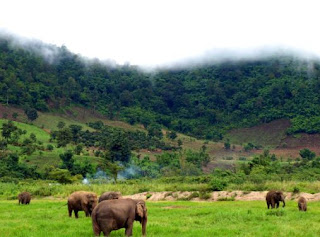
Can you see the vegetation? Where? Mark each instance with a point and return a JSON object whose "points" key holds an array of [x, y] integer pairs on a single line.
{"points": [[204, 101]]}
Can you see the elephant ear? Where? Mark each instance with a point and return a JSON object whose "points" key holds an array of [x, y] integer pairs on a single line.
{"points": [[140, 209], [86, 200]]}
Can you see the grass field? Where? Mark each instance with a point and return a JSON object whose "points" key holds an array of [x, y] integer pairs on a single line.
{"points": [[50, 218]]}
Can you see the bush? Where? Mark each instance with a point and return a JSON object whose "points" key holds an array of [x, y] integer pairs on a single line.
{"points": [[218, 184], [295, 190], [248, 147], [7, 179], [227, 198], [50, 147], [204, 195], [228, 158]]}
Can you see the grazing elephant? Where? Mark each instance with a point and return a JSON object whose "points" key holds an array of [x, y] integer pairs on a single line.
{"points": [[274, 197], [109, 196], [24, 198], [82, 201], [119, 213], [302, 204]]}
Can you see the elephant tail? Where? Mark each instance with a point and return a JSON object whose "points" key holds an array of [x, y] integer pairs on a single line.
{"points": [[95, 226]]}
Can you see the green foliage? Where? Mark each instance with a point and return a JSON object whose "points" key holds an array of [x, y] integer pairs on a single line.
{"points": [[248, 146], [172, 135], [31, 113], [227, 144], [118, 148], [203, 101], [154, 130], [15, 115], [67, 160], [96, 125], [50, 147], [113, 169], [63, 176], [61, 124], [10, 167], [7, 129], [78, 149], [307, 154], [63, 137], [218, 184]]}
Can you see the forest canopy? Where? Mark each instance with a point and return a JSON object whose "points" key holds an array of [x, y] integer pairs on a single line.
{"points": [[203, 101]]}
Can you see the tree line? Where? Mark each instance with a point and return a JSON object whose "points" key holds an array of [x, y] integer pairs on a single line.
{"points": [[202, 101]]}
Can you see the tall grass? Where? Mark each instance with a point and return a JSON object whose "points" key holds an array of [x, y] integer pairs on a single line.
{"points": [[40, 189]]}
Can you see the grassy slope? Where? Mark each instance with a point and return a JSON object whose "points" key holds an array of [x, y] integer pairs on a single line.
{"points": [[44, 158], [271, 135], [268, 134], [50, 218]]}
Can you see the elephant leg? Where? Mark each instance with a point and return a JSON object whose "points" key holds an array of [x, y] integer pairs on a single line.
{"points": [[272, 204], [277, 204], [76, 213], [70, 212], [85, 209], [106, 232], [129, 230], [96, 230]]}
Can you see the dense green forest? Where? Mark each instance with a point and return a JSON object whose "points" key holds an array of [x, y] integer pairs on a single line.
{"points": [[203, 101]]}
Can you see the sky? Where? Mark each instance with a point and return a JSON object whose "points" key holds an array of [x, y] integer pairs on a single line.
{"points": [[153, 33]]}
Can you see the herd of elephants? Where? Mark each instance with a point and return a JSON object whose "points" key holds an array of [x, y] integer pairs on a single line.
{"points": [[112, 212]]}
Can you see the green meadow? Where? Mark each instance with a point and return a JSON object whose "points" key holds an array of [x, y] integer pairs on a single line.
{"points": [[184, 218]]}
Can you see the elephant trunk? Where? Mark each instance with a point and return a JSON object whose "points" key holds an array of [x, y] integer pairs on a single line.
{"points": [[144, 225], [284, 204]]}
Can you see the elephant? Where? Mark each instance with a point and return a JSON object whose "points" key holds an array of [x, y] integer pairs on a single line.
{"points": [[119, 213], [82, 201], [302, 204], [109, 195], [274, 197], [24, 198]]}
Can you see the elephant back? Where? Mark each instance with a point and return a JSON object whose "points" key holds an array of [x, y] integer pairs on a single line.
{"points": [[109, 196]]}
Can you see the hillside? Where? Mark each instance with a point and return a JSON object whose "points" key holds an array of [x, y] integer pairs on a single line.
{"points": [[77, 118], [204, 101]]}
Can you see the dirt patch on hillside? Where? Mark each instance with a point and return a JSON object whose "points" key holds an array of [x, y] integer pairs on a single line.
{"points": [[8, 111], [266, 134], [217, 196]]}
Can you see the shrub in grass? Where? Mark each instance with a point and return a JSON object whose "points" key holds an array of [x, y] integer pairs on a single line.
{"points": [[226, 198], [204, 195], [143, 189], [193, 195], [218, 184], [50, 147], [295, 190]]}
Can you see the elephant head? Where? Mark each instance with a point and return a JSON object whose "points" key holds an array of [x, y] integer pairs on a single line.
{"points": [[141, 215], [91, 201], [279, 196]]}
